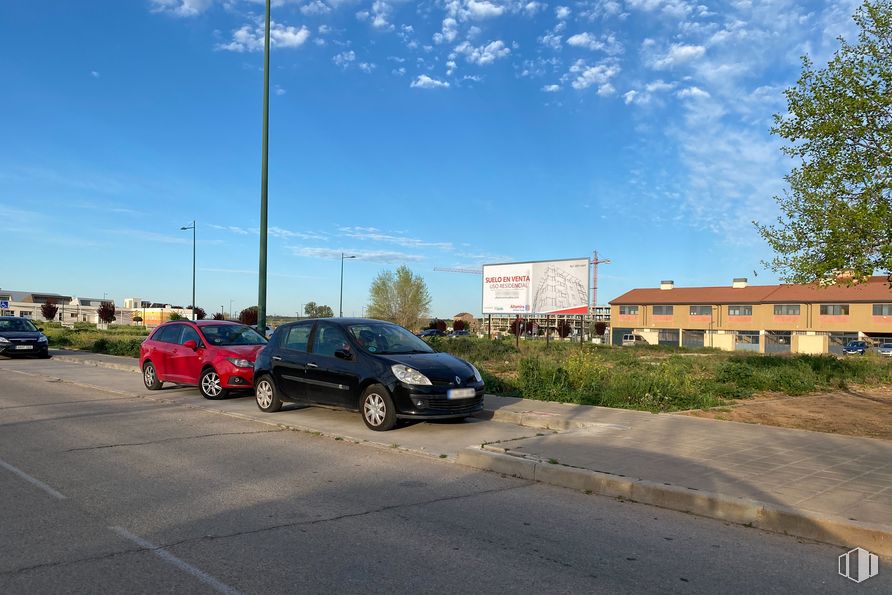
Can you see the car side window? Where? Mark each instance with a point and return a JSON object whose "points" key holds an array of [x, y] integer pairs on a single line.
{"points": [[170, 334], [328, 339], [298, 337], [189, 333]]}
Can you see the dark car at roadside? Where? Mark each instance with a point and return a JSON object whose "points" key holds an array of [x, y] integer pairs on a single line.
{"points": [[377, 368], [855, 347], [214, 355], [431, 332], [19, 336]]}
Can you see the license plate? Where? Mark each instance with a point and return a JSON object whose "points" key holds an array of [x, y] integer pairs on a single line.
{"points": [[24, 346], [460, 393]]}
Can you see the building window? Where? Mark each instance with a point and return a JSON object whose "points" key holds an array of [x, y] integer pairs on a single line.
{"points": [[740, 310], [662, 310], [701, 310], [786, 310], [628, 310], [882, 309], [834, 309]]}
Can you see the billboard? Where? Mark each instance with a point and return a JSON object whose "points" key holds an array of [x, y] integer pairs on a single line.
{"points": [[542, 287]]}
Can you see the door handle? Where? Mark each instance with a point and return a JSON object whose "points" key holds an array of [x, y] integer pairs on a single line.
{"points": [[312, 365], [277, 358]]}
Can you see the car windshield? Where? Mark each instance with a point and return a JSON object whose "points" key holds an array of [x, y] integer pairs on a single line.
{"points": [[17, 325], [231, 334], [383, 338]]}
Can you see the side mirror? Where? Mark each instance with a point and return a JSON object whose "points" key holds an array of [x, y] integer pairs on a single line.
{"points": [[190, 344], [343, 354], [40, 328]]}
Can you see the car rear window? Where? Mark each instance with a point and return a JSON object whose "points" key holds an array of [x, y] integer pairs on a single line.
{"points": [[168, 334], [298, 337]]}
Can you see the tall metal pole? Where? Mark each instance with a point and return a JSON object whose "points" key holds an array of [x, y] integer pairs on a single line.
{"points": [[192, 227], [341, 300], [261, 297], [193, 270]]}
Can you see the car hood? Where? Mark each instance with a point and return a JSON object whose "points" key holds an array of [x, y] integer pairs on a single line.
{"points": [[21, 334], [439, 367], [246, 351]]}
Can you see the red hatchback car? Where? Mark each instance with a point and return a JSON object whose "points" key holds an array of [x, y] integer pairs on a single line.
{"points": [[213, 354]]}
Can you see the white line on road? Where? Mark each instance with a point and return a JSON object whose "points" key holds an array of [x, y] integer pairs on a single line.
{"points": [[170, 558], [32, 480]]}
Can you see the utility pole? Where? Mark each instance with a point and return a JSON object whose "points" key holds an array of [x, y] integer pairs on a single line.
{"points": [[192, 227], [264, 169]]}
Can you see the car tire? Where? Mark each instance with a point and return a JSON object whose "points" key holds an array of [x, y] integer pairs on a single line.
{"points": [[150, 376], [266, 395], [377, 409], [210, 385]]}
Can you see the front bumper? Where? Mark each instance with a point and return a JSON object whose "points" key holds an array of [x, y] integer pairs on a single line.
{"points": [[24, 348], [434, 403], [231, 376]]}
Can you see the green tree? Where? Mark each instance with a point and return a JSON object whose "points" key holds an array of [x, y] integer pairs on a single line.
{"points": [[219, 316], [836, 214], [175, 316], [312, 310], [399, 296]]}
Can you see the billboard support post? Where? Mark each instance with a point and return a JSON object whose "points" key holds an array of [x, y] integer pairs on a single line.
{"points": [[547, 333]]}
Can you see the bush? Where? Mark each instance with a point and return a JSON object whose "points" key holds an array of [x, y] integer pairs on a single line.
{"points": [[248, 316]]}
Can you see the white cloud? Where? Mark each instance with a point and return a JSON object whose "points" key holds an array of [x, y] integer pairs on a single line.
{"points": [[378, 16], [344, 58], [250, 38], [678, 53], [608, 43], [562, 12], [367, 67], [629, 96], [585, 75], [425, 82], [448, 32], [315, 8], [659, 85], [95, 74], [693, 93], [370, 255], [180, 8], [484, 54], [483, 10], [374, 234], [551, 40], [531, 8], [551, 88], [280, 91]]}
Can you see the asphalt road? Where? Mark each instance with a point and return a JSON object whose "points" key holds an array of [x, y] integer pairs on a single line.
{"points": [[104, 493]]}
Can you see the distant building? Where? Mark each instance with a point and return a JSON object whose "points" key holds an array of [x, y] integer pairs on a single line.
{"points": [[761, 318]]}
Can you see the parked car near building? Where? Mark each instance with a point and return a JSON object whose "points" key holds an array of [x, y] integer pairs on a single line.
{"points": [[885, 349], [632, 340], [19, 336], [378, 368], [855, 347], [214, 355]]}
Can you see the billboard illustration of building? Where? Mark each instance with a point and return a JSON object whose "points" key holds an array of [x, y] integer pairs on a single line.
{"points": [[544, 287]]}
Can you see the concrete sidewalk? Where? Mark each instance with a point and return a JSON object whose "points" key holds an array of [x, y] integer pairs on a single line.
{"points": [[831, 488]]}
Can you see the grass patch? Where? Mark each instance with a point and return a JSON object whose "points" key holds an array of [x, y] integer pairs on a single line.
{"points": [[116, 340], [654, 378]]}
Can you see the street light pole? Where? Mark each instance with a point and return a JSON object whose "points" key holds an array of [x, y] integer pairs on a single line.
{"points": [[192, 227], [230, 309], [341, 302], [261, 290]]}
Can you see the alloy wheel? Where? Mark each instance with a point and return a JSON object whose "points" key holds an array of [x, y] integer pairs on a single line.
{"points": [[264, 394], [374, 409], [210, 384]]}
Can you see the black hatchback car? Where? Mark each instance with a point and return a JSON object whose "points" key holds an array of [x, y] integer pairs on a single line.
{"points": [[19, 336], [378, 368]]}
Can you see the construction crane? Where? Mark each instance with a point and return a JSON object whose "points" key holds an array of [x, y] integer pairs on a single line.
{"points": [[459, 270], [595, 262]]}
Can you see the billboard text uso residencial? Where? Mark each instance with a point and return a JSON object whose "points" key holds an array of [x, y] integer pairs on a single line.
{"points": [[542, 287]]}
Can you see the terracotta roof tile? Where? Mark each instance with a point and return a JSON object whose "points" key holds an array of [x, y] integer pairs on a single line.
{"points": [[875, 290]]}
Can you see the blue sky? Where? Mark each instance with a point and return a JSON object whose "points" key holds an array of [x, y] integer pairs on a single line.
{"points": [[431, 134]]}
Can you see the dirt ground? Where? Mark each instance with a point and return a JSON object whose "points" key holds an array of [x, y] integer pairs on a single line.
{"points": [[855, 412]]}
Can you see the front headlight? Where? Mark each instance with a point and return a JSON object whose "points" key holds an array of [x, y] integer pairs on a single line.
{"points": [[409, 375], [477, 375], [240, 362], [4, 340], [42, 339]]}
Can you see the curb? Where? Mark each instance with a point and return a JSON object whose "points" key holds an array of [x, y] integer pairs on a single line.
{"points": [[96, 363], [741, 511]]}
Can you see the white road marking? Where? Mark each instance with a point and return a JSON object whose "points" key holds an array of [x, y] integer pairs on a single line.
{"points": [[171, 559], [32, 480]]}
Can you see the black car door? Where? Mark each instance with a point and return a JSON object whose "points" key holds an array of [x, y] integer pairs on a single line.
{"points": [[332, 380], [289, 361]]}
